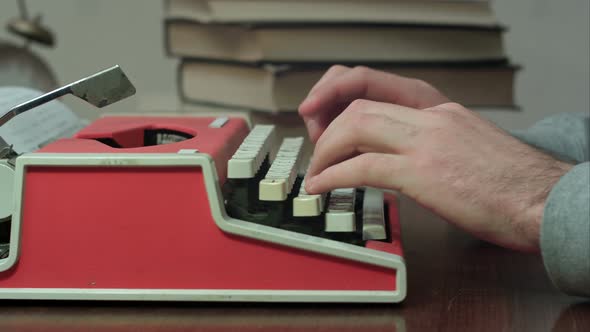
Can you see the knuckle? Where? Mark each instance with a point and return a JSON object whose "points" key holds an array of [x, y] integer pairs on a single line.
{"points": [[360, 122], [336, 68], [358, 105], [448, 114], [362, 71]]}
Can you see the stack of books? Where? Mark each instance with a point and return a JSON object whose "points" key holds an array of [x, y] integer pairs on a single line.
{"points": [[263, 56]]}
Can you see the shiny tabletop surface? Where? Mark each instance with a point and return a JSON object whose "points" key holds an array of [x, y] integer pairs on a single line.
{"points": [[455, 283]]}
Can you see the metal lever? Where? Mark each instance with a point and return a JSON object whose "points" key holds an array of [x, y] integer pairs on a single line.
{"points": [[5, 149], [101, 89]]}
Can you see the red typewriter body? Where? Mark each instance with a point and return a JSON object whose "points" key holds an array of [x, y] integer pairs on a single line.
{"points": [[134, 222]]}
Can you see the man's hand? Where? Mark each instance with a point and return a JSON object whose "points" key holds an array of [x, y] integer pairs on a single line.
{"points": [[342, 85], [445, 157]]}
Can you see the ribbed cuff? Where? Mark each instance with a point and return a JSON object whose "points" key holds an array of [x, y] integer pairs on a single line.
{"points": [[565, 232]]}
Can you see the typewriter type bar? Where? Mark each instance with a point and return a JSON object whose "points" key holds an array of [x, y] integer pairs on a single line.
{"points": [[340, 216], [373, 215], [281, 176], [249, 157]]}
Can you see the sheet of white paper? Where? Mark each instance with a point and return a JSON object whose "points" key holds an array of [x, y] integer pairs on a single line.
{"points": [[36, 128]]}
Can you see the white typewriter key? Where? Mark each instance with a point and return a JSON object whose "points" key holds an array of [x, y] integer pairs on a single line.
{"points": [[340, 214], [281, 175], [373, 215], [219, 122], [246, 161], [188, 151], [305, 205], [273, 190]]}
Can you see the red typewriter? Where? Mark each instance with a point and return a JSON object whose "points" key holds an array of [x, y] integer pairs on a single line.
{"points": [[192, 209]]}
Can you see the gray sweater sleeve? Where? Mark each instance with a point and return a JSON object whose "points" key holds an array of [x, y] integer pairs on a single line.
{"points": [[565, 230]]}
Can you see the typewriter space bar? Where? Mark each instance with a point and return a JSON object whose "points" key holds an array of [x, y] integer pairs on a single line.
{"points": [[373, 215]]}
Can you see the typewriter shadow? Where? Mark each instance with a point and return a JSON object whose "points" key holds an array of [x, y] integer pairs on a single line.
{"points": [[124, 317]]}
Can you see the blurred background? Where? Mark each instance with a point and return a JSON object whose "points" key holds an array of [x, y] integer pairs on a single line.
{"points": [[549, 39]]}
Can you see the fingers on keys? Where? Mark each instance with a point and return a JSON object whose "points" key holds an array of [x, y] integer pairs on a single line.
{"points": [[306, 205]]}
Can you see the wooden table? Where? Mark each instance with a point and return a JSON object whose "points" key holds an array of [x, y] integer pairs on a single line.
{"points": [[456, 283]]}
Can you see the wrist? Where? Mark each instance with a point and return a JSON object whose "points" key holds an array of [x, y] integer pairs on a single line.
{"points": [[537, 190]]}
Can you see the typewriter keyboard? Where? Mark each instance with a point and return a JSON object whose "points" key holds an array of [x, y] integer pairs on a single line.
{"points": [[273, 194]]}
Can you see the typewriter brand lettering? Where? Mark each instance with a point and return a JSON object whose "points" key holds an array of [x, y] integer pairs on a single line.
{"points": [[119, 162]]}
